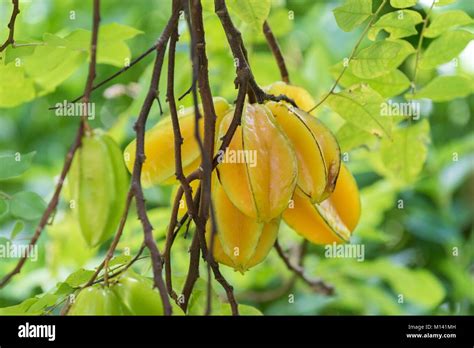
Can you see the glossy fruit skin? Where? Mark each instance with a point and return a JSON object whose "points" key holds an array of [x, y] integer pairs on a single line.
{"points": [[137, 296], [97, 300], [159, 165], [334, 219], [99, 184], [241, 241], [300, 96], [130, 294], [260, 190]]}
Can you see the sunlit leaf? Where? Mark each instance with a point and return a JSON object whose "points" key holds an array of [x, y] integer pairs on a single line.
{"points": [[27, 205], [402, 157], [17, 228], [380, 58], [447, 20], [14, 164], [361, 106], [252, 12], [19, 89], [79, 278], [445, 48], [439, 3], [388, 85], [350, 137], [398, 24], [444, 88], [352, 13], [52, 63], [402, 3]]}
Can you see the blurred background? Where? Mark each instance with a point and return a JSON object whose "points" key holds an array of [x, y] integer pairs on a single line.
{"points": [[418, 236]]}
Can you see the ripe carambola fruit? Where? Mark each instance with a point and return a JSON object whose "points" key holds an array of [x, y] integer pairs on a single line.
{"points": [[97, 300], [159, 165], [99, 183], [241, 242], [259, 170], [316, 149], [332, 220], [300, 96]]}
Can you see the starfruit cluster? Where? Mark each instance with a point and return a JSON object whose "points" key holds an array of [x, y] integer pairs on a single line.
{"points": [[282, 163], [98, 181]]}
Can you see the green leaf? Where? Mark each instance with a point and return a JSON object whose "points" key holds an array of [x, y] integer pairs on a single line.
{"points": [[116, 31], [197, 302], [14, 164], [4, 207], [398, 24], [19, 226], [401, 159], [447, 20], [445, 48], [63, 289], [19, 88], [418, 286], [350, 137], [444, 88], [402, 3], [120, 260], [352, 13], [45, 301], [380, 58], [439, 3], [79, 278], [361, 106], [251, 12], [19, 309], [388, 85], [111, 49], [413, 285], [52, 63], [27, 205]]}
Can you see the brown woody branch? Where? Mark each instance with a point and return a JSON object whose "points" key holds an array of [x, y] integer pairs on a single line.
{"points": [[275, 47], [318, 285], [11, 26], [200, 75], [139, 127], [234, 38]]}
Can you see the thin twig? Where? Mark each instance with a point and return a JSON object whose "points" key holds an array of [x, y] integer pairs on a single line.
{"points": [[139, 127], [316, 284], [117, 73], [275, 47], [11, 26], [418, 48], [234, 38], [351, 56]]}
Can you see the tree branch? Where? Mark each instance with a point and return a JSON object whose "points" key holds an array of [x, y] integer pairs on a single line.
{"points": [[316, 284], [140, 158], [234, 38], [273, 44], [11, 26]]}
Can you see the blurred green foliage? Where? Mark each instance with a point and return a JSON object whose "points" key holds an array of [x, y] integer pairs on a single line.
{"points": [[417, 233]]}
